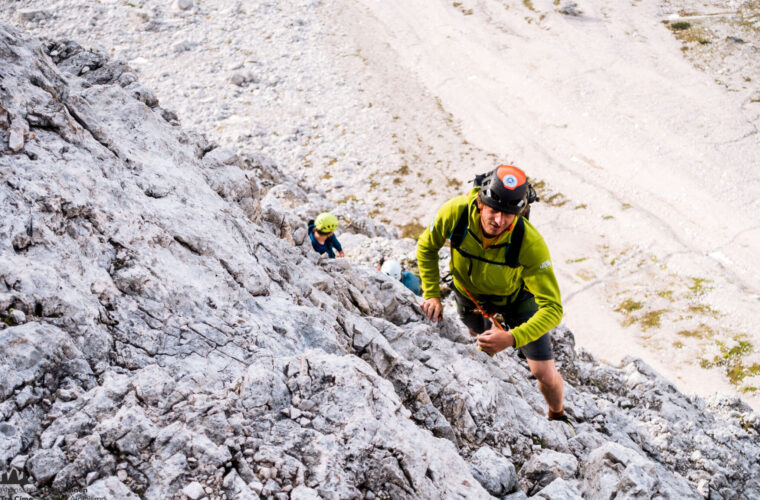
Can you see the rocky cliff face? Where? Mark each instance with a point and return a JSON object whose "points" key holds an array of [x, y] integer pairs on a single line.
{"points": [[167, 331]]}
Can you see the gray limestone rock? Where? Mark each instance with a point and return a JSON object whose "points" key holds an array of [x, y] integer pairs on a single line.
{"points": [[10, 442], [615, 470], [18, 317], [494, 472], [34, 349], [19, 128], [182, 4], [129, 430], [544, 467], [304, 493], [178, 328], [570, 9], [152, 385], [34, 15], [559, 489], [236, 487], [110, 487], [193, 490], [46, 463], [142, 94], [517, 495]]}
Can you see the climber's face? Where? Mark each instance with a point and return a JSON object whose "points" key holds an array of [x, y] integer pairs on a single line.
{"points": [[492, 222]]}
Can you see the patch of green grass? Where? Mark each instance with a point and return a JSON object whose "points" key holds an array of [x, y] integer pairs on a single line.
{"points": [[647, 320], [739, 372], [608, 217], [582, 205], [626, 206], [347, 199], [731, 359], [412, 230], [691, 33], [454, 183], [701, 332], [678, 344], [679, 26], [615, 259], [704, 310], [629, 305], [529, 5], [700, 286], [556, 200], [585, 275], [652, 319], [737, 351], [666, 294], [377, 210], [574, 261]]}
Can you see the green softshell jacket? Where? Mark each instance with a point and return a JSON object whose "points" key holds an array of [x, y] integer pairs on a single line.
{"points": [[482, 278]]}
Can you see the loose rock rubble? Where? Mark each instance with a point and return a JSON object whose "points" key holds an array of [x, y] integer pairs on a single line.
{"points": [[167, 332]]}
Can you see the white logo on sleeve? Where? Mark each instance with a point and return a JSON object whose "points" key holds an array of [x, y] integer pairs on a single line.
{"points": [[545, 265]]}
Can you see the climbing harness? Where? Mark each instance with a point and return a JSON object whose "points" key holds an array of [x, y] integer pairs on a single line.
{"points": [[482, 312], [487, 315]]}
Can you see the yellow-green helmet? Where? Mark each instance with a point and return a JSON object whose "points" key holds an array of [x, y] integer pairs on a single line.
{"points": [[326, 222]]}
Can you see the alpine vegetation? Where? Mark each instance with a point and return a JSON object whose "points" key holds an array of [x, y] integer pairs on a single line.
{"points": [[168, 331]]}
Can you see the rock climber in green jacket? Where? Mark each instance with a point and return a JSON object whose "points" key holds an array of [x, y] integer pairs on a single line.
{"points": [[500, 264]]}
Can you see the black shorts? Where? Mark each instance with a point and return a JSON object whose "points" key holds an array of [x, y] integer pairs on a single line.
{"points": [[514, 313]]}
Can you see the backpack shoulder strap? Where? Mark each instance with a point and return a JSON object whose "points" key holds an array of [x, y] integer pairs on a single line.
{"points": [[460, 229], [512, 253]]}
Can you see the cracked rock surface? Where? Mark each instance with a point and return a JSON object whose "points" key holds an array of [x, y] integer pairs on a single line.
{"points": [[168, 331]]}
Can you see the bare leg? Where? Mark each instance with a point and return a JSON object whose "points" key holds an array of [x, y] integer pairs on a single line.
{"points": [[549, 382]]}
